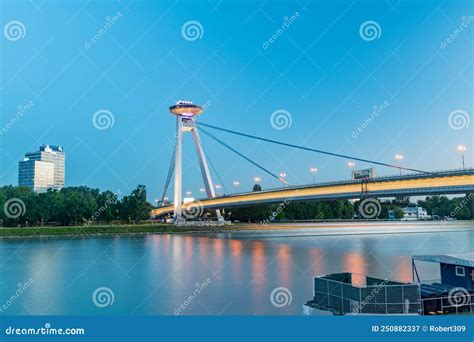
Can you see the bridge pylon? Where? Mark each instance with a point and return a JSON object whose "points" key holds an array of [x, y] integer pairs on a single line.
{"points": [[186, 114]]}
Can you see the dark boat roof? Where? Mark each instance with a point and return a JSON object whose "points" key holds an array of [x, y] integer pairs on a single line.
{"points": [[465, 259]]}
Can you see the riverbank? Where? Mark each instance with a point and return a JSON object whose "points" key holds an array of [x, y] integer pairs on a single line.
{"points": [[87, 230], [249, 229]]}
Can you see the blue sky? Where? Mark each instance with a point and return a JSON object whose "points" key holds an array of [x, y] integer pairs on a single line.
{"points": [[319, 69]]}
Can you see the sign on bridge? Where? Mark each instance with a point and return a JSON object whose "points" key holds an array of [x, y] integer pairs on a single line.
{"points": [[363, 174]]}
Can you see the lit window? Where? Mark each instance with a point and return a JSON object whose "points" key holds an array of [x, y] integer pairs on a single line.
{"points": [[460, 271]]}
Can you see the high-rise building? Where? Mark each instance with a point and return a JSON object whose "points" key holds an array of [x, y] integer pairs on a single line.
{"points": [[42, 169], [36, 174]]}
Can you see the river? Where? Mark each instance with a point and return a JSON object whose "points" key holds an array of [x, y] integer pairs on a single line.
{"points": [[228, 274]]}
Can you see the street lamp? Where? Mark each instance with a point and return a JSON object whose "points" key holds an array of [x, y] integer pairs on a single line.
{"points": [[236, 185], [188, 193], [399, 158], [282, 178], [314, 170], [218, 187], [462, 149], [202, 190], [351, 165], [257, 186]]}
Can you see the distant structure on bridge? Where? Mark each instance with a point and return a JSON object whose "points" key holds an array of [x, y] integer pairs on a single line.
{"points": [[186, 113], [43, 169]]}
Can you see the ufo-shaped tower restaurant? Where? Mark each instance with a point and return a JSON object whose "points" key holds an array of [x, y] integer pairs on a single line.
{"points": [[186, 108]]}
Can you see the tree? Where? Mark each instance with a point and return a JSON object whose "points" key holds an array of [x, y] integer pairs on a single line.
{"points": [[135, 207], [347, 210], [80, 205], [107, 203], [18, 206], [290, 210], [436, 205], [52, 206], [398, 213]]}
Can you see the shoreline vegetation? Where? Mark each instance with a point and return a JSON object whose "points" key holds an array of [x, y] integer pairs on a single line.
{"points": [[6, 232], [88, 230], [85, 211]]}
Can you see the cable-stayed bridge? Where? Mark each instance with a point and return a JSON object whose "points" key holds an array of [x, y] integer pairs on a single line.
{"points": [[416, 183]]}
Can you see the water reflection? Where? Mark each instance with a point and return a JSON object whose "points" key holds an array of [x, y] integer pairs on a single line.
{"points": [[258, 263], [154, 274], [236, 258], [284, 261], [354, 262], [403, 269], [218, 245], [317, 261]]}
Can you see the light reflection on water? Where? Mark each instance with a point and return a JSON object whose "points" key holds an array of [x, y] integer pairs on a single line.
{"points": [[155, 274]]}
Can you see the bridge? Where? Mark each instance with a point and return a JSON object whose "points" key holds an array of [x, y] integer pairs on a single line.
{"points": [[433, 183], [414, 183]]}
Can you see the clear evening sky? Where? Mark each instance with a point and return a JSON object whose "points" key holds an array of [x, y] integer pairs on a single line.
{"points": [[245, 63]]}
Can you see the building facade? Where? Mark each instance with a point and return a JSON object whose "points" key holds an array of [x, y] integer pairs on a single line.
{"points": [[43, 169], [415, 214]]}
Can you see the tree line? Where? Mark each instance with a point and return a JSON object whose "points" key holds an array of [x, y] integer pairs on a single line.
{"points": [[83, 205], [439, 207], [71, 206]]}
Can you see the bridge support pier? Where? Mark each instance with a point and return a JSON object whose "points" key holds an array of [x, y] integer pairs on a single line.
{"points": [[187, 124]]}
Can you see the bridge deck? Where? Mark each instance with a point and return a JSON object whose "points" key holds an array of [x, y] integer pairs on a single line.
{"points": [[446, 182]]}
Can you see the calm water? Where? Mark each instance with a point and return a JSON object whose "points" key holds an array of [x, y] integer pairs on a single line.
{"points": [[155, 274]]}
